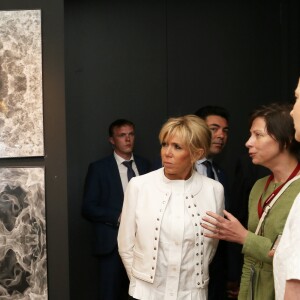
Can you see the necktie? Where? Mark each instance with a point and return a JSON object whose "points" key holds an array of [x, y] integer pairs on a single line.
{"points": [[209, 169], [130, 172]]}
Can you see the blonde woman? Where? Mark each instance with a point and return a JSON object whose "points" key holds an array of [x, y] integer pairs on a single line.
{"points": [[161, 242]]}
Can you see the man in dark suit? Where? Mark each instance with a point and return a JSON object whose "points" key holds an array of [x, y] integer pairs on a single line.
{"points": [[105, 184], [217, 119]]}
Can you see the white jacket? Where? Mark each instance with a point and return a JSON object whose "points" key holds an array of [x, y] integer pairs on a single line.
{"points": [[145, 201]]}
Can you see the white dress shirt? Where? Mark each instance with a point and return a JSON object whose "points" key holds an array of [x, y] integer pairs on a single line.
{"points": [[123, 169], [201, 168]]}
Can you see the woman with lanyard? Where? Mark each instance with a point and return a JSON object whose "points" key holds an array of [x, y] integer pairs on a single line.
{"points": [[271, 144]]}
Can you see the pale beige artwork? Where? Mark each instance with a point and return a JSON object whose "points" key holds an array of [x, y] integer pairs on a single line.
{"points": [[21, 96]]}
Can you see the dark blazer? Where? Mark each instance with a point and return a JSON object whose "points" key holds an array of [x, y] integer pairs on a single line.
{"points": [[218, 268], [103, 200]]}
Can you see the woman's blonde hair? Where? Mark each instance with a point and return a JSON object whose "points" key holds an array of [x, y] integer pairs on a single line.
{"points": [[193, 131]]}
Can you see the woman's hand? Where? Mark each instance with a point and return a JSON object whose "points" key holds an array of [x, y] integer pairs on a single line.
{"points": [[226, 228]]}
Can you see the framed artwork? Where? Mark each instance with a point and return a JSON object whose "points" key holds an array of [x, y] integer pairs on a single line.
{"points": [[21, 97], [23, 253]]}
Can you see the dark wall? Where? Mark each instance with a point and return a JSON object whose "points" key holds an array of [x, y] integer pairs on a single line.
{"points": [[54, 140], [115, 68], [148, 60], [235, 54]]}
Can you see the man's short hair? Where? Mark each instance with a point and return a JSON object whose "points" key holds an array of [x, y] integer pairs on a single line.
{"points": [[118, 123], [211, 110]]}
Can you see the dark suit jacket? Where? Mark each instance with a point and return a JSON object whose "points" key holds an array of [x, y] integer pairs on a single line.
{"points": [[219, 266], [103, 200], [222, 179]]}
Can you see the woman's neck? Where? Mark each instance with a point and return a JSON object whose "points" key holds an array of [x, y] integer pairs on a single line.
{"points": [[283, 170]]}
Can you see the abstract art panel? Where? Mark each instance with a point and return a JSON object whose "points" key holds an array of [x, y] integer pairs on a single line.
{"points": [[23, 256], [21, 98]]}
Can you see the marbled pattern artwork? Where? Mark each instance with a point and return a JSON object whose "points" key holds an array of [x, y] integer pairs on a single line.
{"points": [[23, 256], [21, 98]]}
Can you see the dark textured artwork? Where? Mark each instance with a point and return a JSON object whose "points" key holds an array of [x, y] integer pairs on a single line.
{"points": [[23, 258], [21, 103]]}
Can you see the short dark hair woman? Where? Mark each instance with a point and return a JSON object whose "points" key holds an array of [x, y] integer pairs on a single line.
{"points": [[271, 144]]}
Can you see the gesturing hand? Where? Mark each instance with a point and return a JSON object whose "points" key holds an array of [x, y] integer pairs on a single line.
{"points": [[226, 228]]}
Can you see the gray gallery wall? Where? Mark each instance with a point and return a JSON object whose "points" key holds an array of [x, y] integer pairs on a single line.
{"points": [[147, 60], [54, 140], [144, 60]]}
